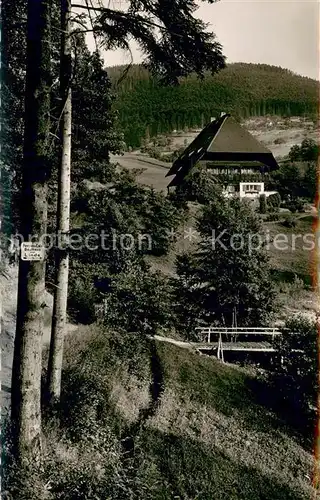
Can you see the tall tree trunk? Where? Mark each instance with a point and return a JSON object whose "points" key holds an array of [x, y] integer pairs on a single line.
{"points": [[63, 219], [26, 371]]}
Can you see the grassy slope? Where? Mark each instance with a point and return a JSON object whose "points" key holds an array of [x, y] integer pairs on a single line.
{"points": [[297, 257], [231, 446], [208, 438]]}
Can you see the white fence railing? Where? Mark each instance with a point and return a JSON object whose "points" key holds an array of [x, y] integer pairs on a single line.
{"points": [[217, 331]]}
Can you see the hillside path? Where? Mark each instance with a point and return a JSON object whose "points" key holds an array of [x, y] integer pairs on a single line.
{"points": [[180, 343]]}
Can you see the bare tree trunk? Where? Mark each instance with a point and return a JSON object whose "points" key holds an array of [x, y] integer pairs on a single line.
{"points": [[26, 371], [63, 219]]}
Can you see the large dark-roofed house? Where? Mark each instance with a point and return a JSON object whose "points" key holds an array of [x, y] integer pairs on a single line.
{"points": [[227, 148]]}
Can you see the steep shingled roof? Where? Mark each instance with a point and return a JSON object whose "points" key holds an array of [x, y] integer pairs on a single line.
{"points": [[222, 140]]}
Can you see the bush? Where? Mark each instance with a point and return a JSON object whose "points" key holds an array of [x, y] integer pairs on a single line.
{"points": [[173, 156], [289, 221], [178, 200], [200, 186], [271, 217], [83, 294], [308, 151], [295, 378], [279, 140], [81, 301], [153, 152], [295, 205], [140, 301], [292, 288], [274, 201]]}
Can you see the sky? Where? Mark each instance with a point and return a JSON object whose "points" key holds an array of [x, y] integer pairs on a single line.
{"points": [[278, 32]]}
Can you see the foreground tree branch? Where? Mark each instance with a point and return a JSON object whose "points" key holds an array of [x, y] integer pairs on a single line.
{"points": [[173, 41]]}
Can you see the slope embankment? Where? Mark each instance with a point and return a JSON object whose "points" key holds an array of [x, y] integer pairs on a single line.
{"points": [[206, 434]]}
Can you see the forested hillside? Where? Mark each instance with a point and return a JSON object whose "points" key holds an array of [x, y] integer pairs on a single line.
{"points": [[147, 108]]}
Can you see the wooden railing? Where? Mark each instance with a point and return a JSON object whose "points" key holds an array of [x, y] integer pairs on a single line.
{"points": [[218, 332], [234, 332]]}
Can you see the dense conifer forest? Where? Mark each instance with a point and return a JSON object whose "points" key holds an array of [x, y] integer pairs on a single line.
{"points": [[147, 108]]}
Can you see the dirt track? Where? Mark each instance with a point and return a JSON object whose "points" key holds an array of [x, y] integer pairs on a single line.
{"points": [[154, 171]]}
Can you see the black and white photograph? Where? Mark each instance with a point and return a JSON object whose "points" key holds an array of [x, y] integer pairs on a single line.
{"points": [[160, 250]]}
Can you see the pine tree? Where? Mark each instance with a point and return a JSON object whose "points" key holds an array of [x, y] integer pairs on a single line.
{"points": [[13, 56], [174, 41], [95, 130], [229, 271], [26, 372], [263, 203]]}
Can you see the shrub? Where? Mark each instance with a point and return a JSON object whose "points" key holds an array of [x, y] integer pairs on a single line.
{"points": [[308, 151], [295, 378], [200, 186], [273, 216], [274, 201], [140, 301], [153, 152], [295, 205], [263, 204], [279, 140], [174, 155], [82, 297], [292, 288], [289, 221], [178, 200], [162, 142]]}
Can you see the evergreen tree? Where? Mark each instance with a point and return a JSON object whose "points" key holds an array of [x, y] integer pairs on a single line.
{"points": [[13, 57], [239, 89], [263, 203], [309, 182], [288, 181], [307, 151], [229, 272], [26, 370], [174, 41], [95, 131]]}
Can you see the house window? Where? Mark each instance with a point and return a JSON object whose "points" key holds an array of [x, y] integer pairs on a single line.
{"points": [[251, 187]]}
